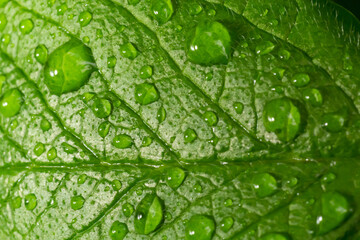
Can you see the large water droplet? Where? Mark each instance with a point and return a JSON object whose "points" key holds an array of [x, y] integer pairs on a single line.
{"points": [[69, 67], [30, 201], [175, 177], [282, 117], [41, 54], [162, 10], [39, 149], [146, 93], [118, 231], [127, 209], [226, 224], [300, 80], [102, 107], [264, 184], [77, 202], [149, 214], [264, 48], [333, 122], [85, 18], [11, 103], [3, 22], [313, 96], [334, 210], [211, 44], [190, 135], [129, 51], [200, 227], [210, 118], [26, 26], [122, 141]]}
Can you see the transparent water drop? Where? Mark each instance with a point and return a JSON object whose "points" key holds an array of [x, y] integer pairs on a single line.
{"points": [[313, 96], [30, 201], [118, 230], [104, 129], [146, 93], [39, 149], [300, 80], [122, 141], [51, 154], [127, 209], [264, 48], [85, 18], [226, 224], [200, 227], [146, 72], [129, 51], [264, 184], [77, 202], [11, 102], [190, 135], [162, 10], [26, 26], [41, 54], [175, 177], [161, 114]]}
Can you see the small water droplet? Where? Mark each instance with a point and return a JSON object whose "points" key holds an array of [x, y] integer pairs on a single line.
{"points": [[195, 9], [200, 227], [313, 96], [41, 54], [162, 10], [146, 72], [239, 107], [278, 72], [39, 149], [85, 18], [209, 76], [81, 179], [228, 202], [328, 178], [146, 93], [68, 148], [116, 184], [122, 141], [30, 201], [190, 135], [226, 224], [264, 48], [129, 51], [264, 184], [13, 125], [26, 26], [284, 54], [211, 12], [11, 102], [210, 118], [147, 141], [111, 62], [5, 40], [175, 177], [300, 80], [127, 209], [333, 122], [102, 107], [198, 188], [179, 28], [77, 202], [118, 230], [62, 9], [104, 129], [51, 154], [161, 114]]}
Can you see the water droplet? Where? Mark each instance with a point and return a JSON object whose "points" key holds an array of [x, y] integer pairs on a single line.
{"points": [[210, 44], [274, 22], [26, 26], [146, 93], [190, 135], [328, 178], [77, 202], [13, 125], [226, 224], [85, 18], [274, 236], [313, 96], [282, 117], [195, 9], [6, 38], [161, 114], [116, 184], [118, 231], [69, 67], [147, 141], [127, 209], [162, 10], [45, 125], [264, 48], [146, 72], [333, 122], [41, 54], [284, 54], [179, 28], [122, 141], [11, 103], [104, 129], [68, 148], [211, 13], [210, 118], [149, 214], [139, 191], [99, 34], [198, 188], [133, 2], [101, 107], [128, 51], [111, 62], [209, 76], [175, 177], [264, 184], [200, 227], [334, 210], [81, 179], [239, 107], [228, 202], [62, 9], [278, 72], [39, 149], [3, 22], [300, 80], [16, 202], [52, 154], [30, 201], [292, 182]]}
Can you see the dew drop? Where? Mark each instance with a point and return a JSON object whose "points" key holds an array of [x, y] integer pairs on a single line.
{"points": [[328, 178], [118, 230], [278, 72], [333, 122], [62, 9], [26, 26], [226, 224], [175, 177], [210, 118], [313, 96], [190, 135], [30, 201], [127, 209], [209, 76], [81, 179], [39, 149], [16, 202], [116, 185], [104, 129], [146, 72], [128, 51], [147, 141], [264, 48], [51, 154], [68, 148], [85, 18], [11, 102], [161, 114], [211, 13], [300, 80], [210, 44], [13, 125], [228, 202], [200, 227], [146, 93], [41, 54], [284, 54], [239, 107], [77, 202], [162, 10], [198, 188], [102, 107], [195, 9], [69, 67], [264, 184], [6, 38], [111, 62], [122, 141]]}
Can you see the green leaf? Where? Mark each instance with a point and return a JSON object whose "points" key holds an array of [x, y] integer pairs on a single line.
{"points": [[159, 119]]}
